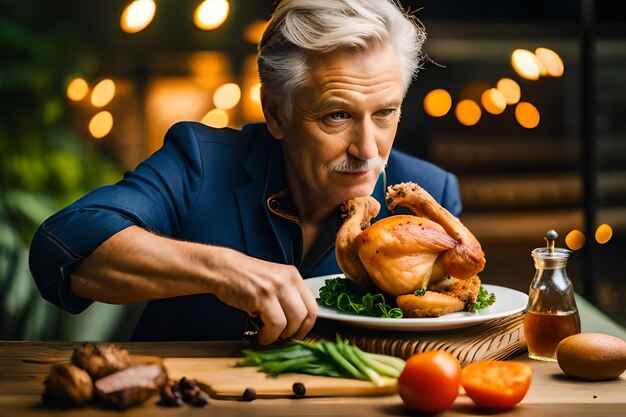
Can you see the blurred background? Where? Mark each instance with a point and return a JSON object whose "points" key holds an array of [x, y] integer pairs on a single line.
{"points": [[525, 100]]}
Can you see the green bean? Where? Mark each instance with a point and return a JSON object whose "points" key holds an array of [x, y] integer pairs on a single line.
{"points": [[349, 352], [339, 359], [277, 367], [380, 367], [387, 359]]}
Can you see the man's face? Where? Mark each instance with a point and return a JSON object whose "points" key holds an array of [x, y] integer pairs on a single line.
{"points": [[343, 125]]}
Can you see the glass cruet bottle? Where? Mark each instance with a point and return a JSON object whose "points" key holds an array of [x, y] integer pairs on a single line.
{"points": [[551, 314]]}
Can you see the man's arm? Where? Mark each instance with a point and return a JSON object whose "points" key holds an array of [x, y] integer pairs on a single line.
{"points": [[99, 248], [135, 265]]}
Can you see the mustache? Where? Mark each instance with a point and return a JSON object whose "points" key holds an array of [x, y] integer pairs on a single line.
{"points": [[352, 165]]}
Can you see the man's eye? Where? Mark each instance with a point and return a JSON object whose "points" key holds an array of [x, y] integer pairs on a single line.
{"points": [[338, 116], [387, 112]]}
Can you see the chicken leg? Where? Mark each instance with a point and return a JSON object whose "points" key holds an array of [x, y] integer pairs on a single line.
{"points": [[463, 260]]}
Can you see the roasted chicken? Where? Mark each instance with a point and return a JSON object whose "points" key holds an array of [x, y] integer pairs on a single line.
{"points": [[401, 254]]}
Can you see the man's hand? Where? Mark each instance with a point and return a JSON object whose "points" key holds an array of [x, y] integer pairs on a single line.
{"points": [[131, 267], [275, 293]]}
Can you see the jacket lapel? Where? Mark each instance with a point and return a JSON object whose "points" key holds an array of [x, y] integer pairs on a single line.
{"points": [[260, 237]]}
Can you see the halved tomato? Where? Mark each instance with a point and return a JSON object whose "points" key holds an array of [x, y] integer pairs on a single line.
{"points": [[430, 381], [496, 384]]}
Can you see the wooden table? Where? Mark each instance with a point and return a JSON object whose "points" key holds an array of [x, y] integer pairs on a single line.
{"points": [[24, 365]]}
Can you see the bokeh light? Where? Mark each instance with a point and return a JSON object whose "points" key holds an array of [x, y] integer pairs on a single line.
{"points": [[510, 90], [468, 112], [101, 124], [103, 93], [254, 32], [137, 15], [77, 89], [437, 102], [527, 115], [493, 101], [551, 61], [210, 14], [227, 96], [525, 63], [575, 239], [604, 233], [255, 93], [217, 118]]}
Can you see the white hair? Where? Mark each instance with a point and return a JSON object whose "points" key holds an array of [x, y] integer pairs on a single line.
{"points": [[302, 29]]}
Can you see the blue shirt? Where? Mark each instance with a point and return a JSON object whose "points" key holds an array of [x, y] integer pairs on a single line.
{"points": [[216, 186]]}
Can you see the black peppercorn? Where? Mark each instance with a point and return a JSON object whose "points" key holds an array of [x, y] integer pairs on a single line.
{"points": [[185, 390], [299, 389], [249, 394], [185, 383]]}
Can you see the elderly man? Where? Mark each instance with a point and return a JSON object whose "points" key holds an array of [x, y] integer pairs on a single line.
{"points": [[221, 225]]}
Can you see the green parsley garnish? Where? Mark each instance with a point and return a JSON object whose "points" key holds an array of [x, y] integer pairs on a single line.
{"points": [[420, 292], [483, 300], [345, 295]]}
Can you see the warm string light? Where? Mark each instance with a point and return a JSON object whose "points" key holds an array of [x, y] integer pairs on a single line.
{"points": [[604, 233], [543, 62], [137, 15], [102, 94], [527, 115], [468, 112], [227, 96], [217, 118], [437, 103], [575, 239], [493, 101], [101, 124], [525, 64], [550, 61], [77, 89], [255, 93], [211, 14], [510, 90]]}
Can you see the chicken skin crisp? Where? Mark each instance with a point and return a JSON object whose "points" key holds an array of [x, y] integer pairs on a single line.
{"points": [[405, 253], [447, 296]]}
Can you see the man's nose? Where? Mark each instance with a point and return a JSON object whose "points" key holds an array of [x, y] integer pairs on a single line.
{"points": [[363, 145]]}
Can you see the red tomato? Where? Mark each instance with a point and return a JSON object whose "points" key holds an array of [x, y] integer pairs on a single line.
{"points": [[430, 381], [496, 384]]}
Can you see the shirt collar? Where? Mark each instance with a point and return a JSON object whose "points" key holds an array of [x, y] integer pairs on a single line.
{"points": [[277, 196], [279, 205]]}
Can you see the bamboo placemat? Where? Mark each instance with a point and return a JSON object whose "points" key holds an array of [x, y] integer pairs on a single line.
{"points": [[496, 339]]}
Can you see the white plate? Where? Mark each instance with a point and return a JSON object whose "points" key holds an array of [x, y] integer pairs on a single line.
{"points": [[508, 302]]}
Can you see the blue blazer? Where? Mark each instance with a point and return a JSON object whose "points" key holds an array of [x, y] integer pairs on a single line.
{"points": [[214, 186]]}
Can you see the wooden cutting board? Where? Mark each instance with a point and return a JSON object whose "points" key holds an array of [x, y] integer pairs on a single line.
{"points": [[221, 379]]}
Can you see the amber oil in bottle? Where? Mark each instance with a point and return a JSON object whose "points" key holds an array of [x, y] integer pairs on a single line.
{"points": [[551, 314]]}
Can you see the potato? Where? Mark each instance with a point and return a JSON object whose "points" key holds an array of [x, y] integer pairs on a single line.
{"points": [[68, 386], [593, 356]]}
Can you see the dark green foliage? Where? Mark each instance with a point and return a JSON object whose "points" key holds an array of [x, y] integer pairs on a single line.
{"points": [[44, 163]]}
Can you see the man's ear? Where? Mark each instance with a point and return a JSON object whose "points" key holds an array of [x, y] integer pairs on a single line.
{"points": [[273, 119]]}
